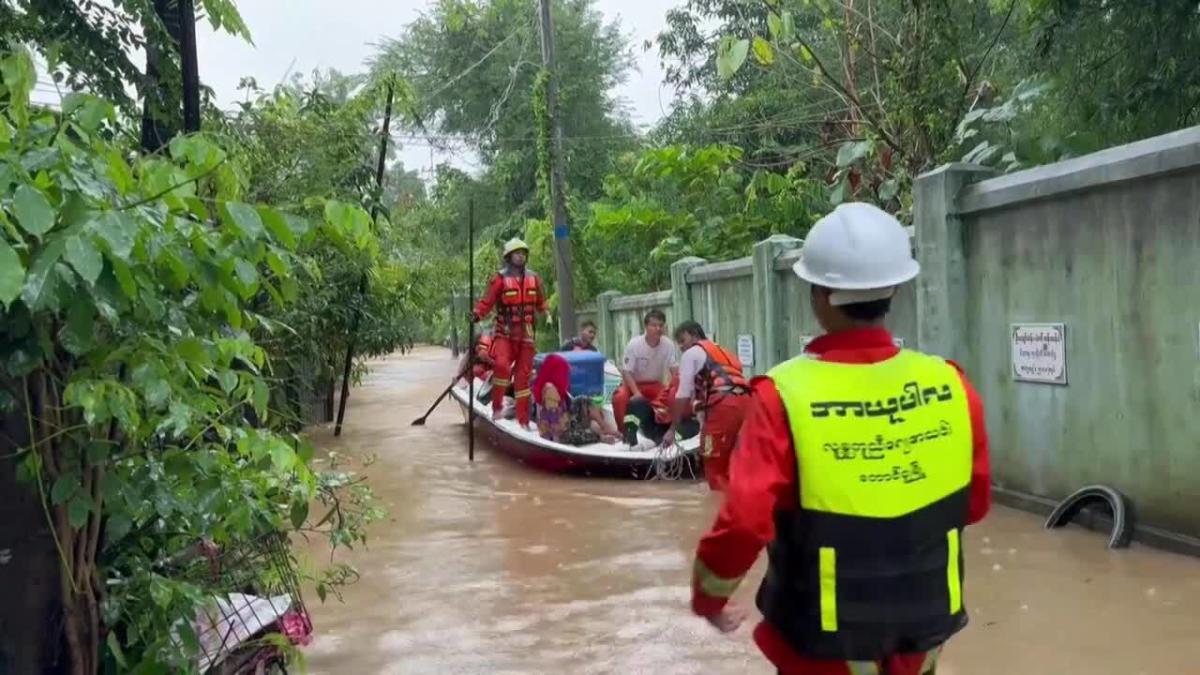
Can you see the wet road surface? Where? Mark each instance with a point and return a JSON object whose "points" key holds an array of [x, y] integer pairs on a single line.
{"points": [[494, 568]]}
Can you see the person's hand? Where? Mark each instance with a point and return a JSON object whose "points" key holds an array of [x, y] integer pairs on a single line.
{"points": [[728, 619], [669, 438]]}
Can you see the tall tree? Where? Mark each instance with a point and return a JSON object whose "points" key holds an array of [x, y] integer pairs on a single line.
{"points": [[473, 65]]}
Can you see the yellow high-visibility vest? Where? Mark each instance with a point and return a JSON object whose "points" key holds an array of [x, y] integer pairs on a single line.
{"points": [[871, 561]]}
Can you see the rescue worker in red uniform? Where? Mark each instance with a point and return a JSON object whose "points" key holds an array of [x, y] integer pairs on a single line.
{"points": [[711, 383], [858, 467], [481, 367], [517, 295]]}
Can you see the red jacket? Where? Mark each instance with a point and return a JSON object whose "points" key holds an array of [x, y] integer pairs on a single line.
{"points": [[763, 480], [492, 296]]}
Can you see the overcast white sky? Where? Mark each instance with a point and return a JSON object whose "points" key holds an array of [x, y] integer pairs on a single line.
{"points": [[307, 34]]}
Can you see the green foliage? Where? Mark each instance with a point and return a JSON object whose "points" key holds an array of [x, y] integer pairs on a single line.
{"points": [[474, 66], [677, 201], [145, 304]]}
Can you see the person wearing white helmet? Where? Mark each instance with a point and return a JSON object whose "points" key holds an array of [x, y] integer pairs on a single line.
{"points": [[518, 297], [858, 466]]}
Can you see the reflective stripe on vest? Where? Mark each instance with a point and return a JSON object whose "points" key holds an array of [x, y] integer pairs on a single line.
{"points": [[882, 449], [520, 296], [721, 374]]}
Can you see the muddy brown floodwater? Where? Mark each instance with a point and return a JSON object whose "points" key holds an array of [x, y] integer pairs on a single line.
{"points": [[494, 568]]}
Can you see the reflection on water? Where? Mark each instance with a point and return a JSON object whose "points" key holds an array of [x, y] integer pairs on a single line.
{"points": [[492, 568]]}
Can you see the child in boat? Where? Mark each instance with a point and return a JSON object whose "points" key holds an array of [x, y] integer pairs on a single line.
{"points": [[561, 418]]}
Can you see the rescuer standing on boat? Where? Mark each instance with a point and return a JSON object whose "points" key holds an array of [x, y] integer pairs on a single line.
{"points": [[859, 464], [712, 378], [518, 297]]}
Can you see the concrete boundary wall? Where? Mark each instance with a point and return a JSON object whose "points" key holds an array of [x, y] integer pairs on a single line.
{"points": [[1103, 252]]}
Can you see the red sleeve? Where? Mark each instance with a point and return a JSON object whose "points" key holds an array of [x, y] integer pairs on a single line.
{"points": [[981, 469], [762, 478], [489, 297]]}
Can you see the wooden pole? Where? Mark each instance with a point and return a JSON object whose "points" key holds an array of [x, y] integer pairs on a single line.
{"points": [[362, 281], [558, 182], [471, 331]]}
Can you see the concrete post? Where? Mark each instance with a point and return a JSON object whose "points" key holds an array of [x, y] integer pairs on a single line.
{"points": [[767, 305], [681, 293], [942, 286], [607, 334]]}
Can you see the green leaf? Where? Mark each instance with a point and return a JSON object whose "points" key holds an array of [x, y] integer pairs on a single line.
{"points": [[78, 510], [119, 231], [117, 527], [261, 398], [853, 151], [84, 257], [114, 646], [39, 285], [299, 513], [12, 275], [157, 392], [731, 54], [64, 488], [277, 224], [160, 592], [840, 191], [32, 210], [788, 27], [78, 335], [228, 380], [775, 25], [247, 274], [282, 455], [807, 57], [245, 219], [763, 52]]}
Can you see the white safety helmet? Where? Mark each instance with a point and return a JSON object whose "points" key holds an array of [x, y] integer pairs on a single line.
{"points": [[859, 251]]}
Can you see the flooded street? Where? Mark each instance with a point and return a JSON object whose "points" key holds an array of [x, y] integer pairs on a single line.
{"points": [[494, 568]]}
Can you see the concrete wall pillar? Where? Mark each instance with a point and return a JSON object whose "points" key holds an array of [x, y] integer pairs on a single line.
{"points": [[941, 289], [768, 303], [681, 293], [606, 331]]}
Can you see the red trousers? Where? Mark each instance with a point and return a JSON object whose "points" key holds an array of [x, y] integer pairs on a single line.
{"points": [[513, 356], [621, 396], [718, 436]]}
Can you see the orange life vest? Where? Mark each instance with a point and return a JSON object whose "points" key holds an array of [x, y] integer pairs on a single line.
{"points": [[520, 297], [720, 376]]}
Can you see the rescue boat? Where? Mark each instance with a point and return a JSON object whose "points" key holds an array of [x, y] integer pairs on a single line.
{"points": [[645, 460]]}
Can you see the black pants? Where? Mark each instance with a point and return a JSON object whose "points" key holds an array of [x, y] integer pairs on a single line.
{"points": [[655, 430]]}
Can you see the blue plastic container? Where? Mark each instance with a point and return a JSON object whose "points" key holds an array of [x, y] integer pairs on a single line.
{"points": [[587, 371]]}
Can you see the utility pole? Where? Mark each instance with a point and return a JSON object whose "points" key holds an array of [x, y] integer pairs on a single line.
{"points": [[558, 182], [189, 67]]}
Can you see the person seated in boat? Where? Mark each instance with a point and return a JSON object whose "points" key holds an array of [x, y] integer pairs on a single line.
{"points": [[584, 342], [482, 367], [562, 418], [650, 361], [653, 417]]}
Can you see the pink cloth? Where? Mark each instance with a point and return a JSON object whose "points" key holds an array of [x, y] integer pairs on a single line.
{"points": [[556, 371], [297, 627]]}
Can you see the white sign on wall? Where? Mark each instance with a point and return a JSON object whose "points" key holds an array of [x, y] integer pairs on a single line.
{"points": [[745, 350], [1039, 352]]}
